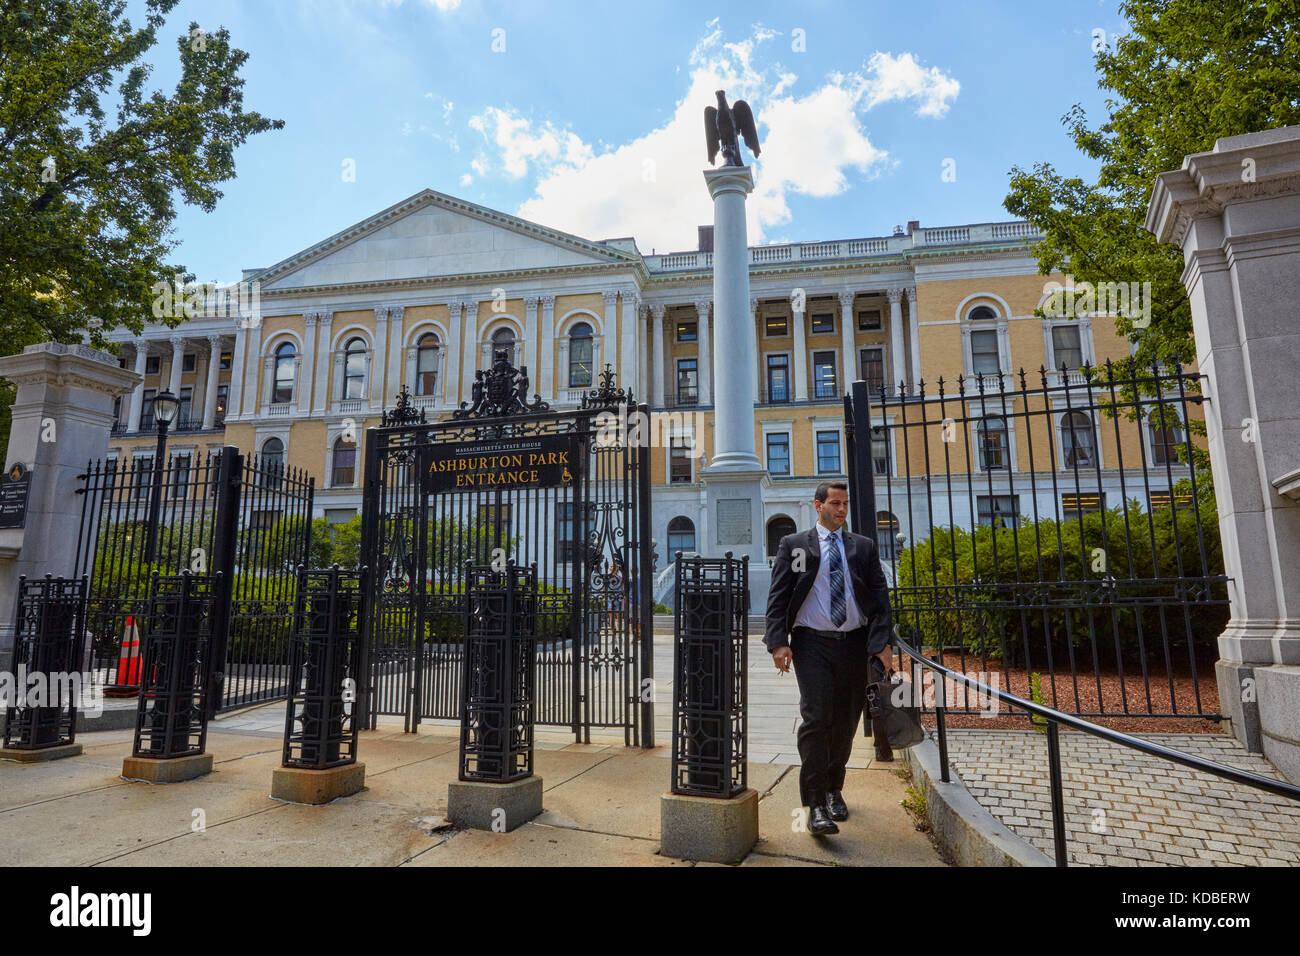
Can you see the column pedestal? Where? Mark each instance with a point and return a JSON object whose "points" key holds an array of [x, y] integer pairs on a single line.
{"points": [[708, 829], [499, 807]]}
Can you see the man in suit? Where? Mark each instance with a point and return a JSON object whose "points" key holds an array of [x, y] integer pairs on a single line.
{"points": [[827, 612]]}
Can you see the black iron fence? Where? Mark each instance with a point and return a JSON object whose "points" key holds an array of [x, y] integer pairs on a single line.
{"points": [[1057, 536], [710, 673], [249, 519], [47, 647]]}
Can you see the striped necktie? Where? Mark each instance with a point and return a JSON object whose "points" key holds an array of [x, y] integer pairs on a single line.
{"points": [[839, 607]]}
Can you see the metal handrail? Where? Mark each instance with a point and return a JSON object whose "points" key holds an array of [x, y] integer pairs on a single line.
{"points": [[1055, 718]]}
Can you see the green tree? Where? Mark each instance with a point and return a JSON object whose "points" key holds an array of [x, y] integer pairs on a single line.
{"points": [[1186, 74], [91, 164]]}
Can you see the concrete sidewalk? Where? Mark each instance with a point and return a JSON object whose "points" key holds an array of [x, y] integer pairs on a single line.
{"points": [[601, 799]]}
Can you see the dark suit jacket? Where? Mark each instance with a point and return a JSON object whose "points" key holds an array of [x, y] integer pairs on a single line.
{"points": [[790, 587]]}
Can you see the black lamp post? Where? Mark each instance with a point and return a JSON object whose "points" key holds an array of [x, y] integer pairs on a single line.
{"points": [[165, 409]]}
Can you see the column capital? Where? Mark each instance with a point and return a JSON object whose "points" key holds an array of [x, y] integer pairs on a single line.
{"points": [[396, 312], [530, 301], [911, 292], [177, 341], [895, 293], [846, 297], [141, 344], [309, 319], [454, 305], [611, 297], [801, 296], [657, 309], [702, 305], [381, 313], [324, 316], [214, 341], [548, 300]]}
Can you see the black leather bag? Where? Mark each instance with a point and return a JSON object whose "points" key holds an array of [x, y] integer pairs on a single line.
{"points": [[902, 718]]}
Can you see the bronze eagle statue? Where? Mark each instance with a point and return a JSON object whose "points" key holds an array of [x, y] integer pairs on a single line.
{"points": [[722, 123]]}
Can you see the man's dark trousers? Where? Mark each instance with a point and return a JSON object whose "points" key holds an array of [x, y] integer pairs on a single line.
{"points": [[832, 675]]}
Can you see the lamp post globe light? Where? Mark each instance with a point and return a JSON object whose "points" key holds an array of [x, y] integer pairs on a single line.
{"points": [[166, 407]]}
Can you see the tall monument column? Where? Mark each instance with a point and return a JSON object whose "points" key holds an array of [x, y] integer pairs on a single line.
{"points": [[735, 369]]}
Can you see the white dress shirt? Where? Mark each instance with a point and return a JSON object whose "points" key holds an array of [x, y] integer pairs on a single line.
{"points": [[816, 610]]}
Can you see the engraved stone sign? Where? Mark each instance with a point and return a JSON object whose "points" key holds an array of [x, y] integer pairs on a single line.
{"points": [[735, 522]]}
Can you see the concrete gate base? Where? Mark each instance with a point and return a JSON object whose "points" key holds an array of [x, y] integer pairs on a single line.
{"points": [[170, 770], [314, 787], [708, 829], [500, 807], [37, 756]]}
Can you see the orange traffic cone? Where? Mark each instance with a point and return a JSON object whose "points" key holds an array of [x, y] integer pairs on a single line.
{"points": [[128, 663]]}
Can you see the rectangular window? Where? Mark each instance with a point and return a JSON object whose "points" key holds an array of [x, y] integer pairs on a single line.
{"points": [[778, 378], [1000, 511], [828, 453], [824, 374], [687, 331], [688, 383], [180, 483], [1164, 499], [567, 537], [188, 361], [344, 472], [879, 451], [1066, 348], [1073, 506], [146, 409], [224, 363], [869, 320], [151, 364], [823, 322], [187, 407], [984, 352], [142, 479], [873, 369], [778, 454], [223, 395], [776, 325], [679, 461]]}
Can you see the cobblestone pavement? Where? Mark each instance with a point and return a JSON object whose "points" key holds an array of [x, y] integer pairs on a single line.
{"points": [[1124, 808]]}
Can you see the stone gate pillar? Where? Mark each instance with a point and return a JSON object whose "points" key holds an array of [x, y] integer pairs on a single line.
{"points": [[61, 419], [1235, 212]]}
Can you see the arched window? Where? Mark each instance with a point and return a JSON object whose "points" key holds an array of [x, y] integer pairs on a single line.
{"points": [[886, 535], [503, 340], [354, 368], [777, 529], [1078, 440], [344, 471], [981, 313], [681, 536], [426, 364], [272, 461], [580, 355], [991, 436], [286, 363], [1166, 430]]}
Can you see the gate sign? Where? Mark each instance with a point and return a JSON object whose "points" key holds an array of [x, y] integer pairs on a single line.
{"points": [[14, 485], [537, 461]]}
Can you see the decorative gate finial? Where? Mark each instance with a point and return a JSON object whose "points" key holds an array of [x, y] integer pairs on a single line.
{"points": [[607, 394], [501, 390], [404, 413]]}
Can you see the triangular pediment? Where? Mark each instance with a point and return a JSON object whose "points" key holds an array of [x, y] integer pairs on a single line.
{"points": [[430, 235]]}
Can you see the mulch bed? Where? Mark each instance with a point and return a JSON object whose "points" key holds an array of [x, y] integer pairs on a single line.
{"points": [[1127, 698]]}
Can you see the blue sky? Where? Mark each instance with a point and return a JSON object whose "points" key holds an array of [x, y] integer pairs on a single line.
{"points": [[587, 116]]}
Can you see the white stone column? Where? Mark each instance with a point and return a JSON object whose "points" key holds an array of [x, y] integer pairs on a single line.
{"points": [[178, 353], [704, 352], [897, 364], [137, 393], [452, 348], [469, 339], [235, 398], [734, 314], [376, 387], [546, 359], [1240, 238], [268, 377], [324, 321], [304, 397], [848, 328], [396, 314], [611, 334], [210, 389], [914, 331], [253, 385], [800, 358], [529, 347], [643, 351], [658, 358], [627, 335], [755, 323]]}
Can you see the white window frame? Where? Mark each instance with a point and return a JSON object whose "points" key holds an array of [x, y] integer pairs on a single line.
{"points": [[999, 324], [775, 426], [825, 425], [978, 414], [1084, 325]]}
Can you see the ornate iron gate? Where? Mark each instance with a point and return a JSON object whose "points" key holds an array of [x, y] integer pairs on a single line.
{"points": [[247, 518], [588, 536], [1055, 533]]}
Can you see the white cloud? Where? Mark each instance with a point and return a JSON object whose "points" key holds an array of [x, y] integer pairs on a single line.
{"points": [[466, 179], [653, 187]]}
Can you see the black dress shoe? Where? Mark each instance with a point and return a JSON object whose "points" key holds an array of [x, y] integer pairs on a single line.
{"points": [[884, 754], [836, 806], [820, 822]]}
